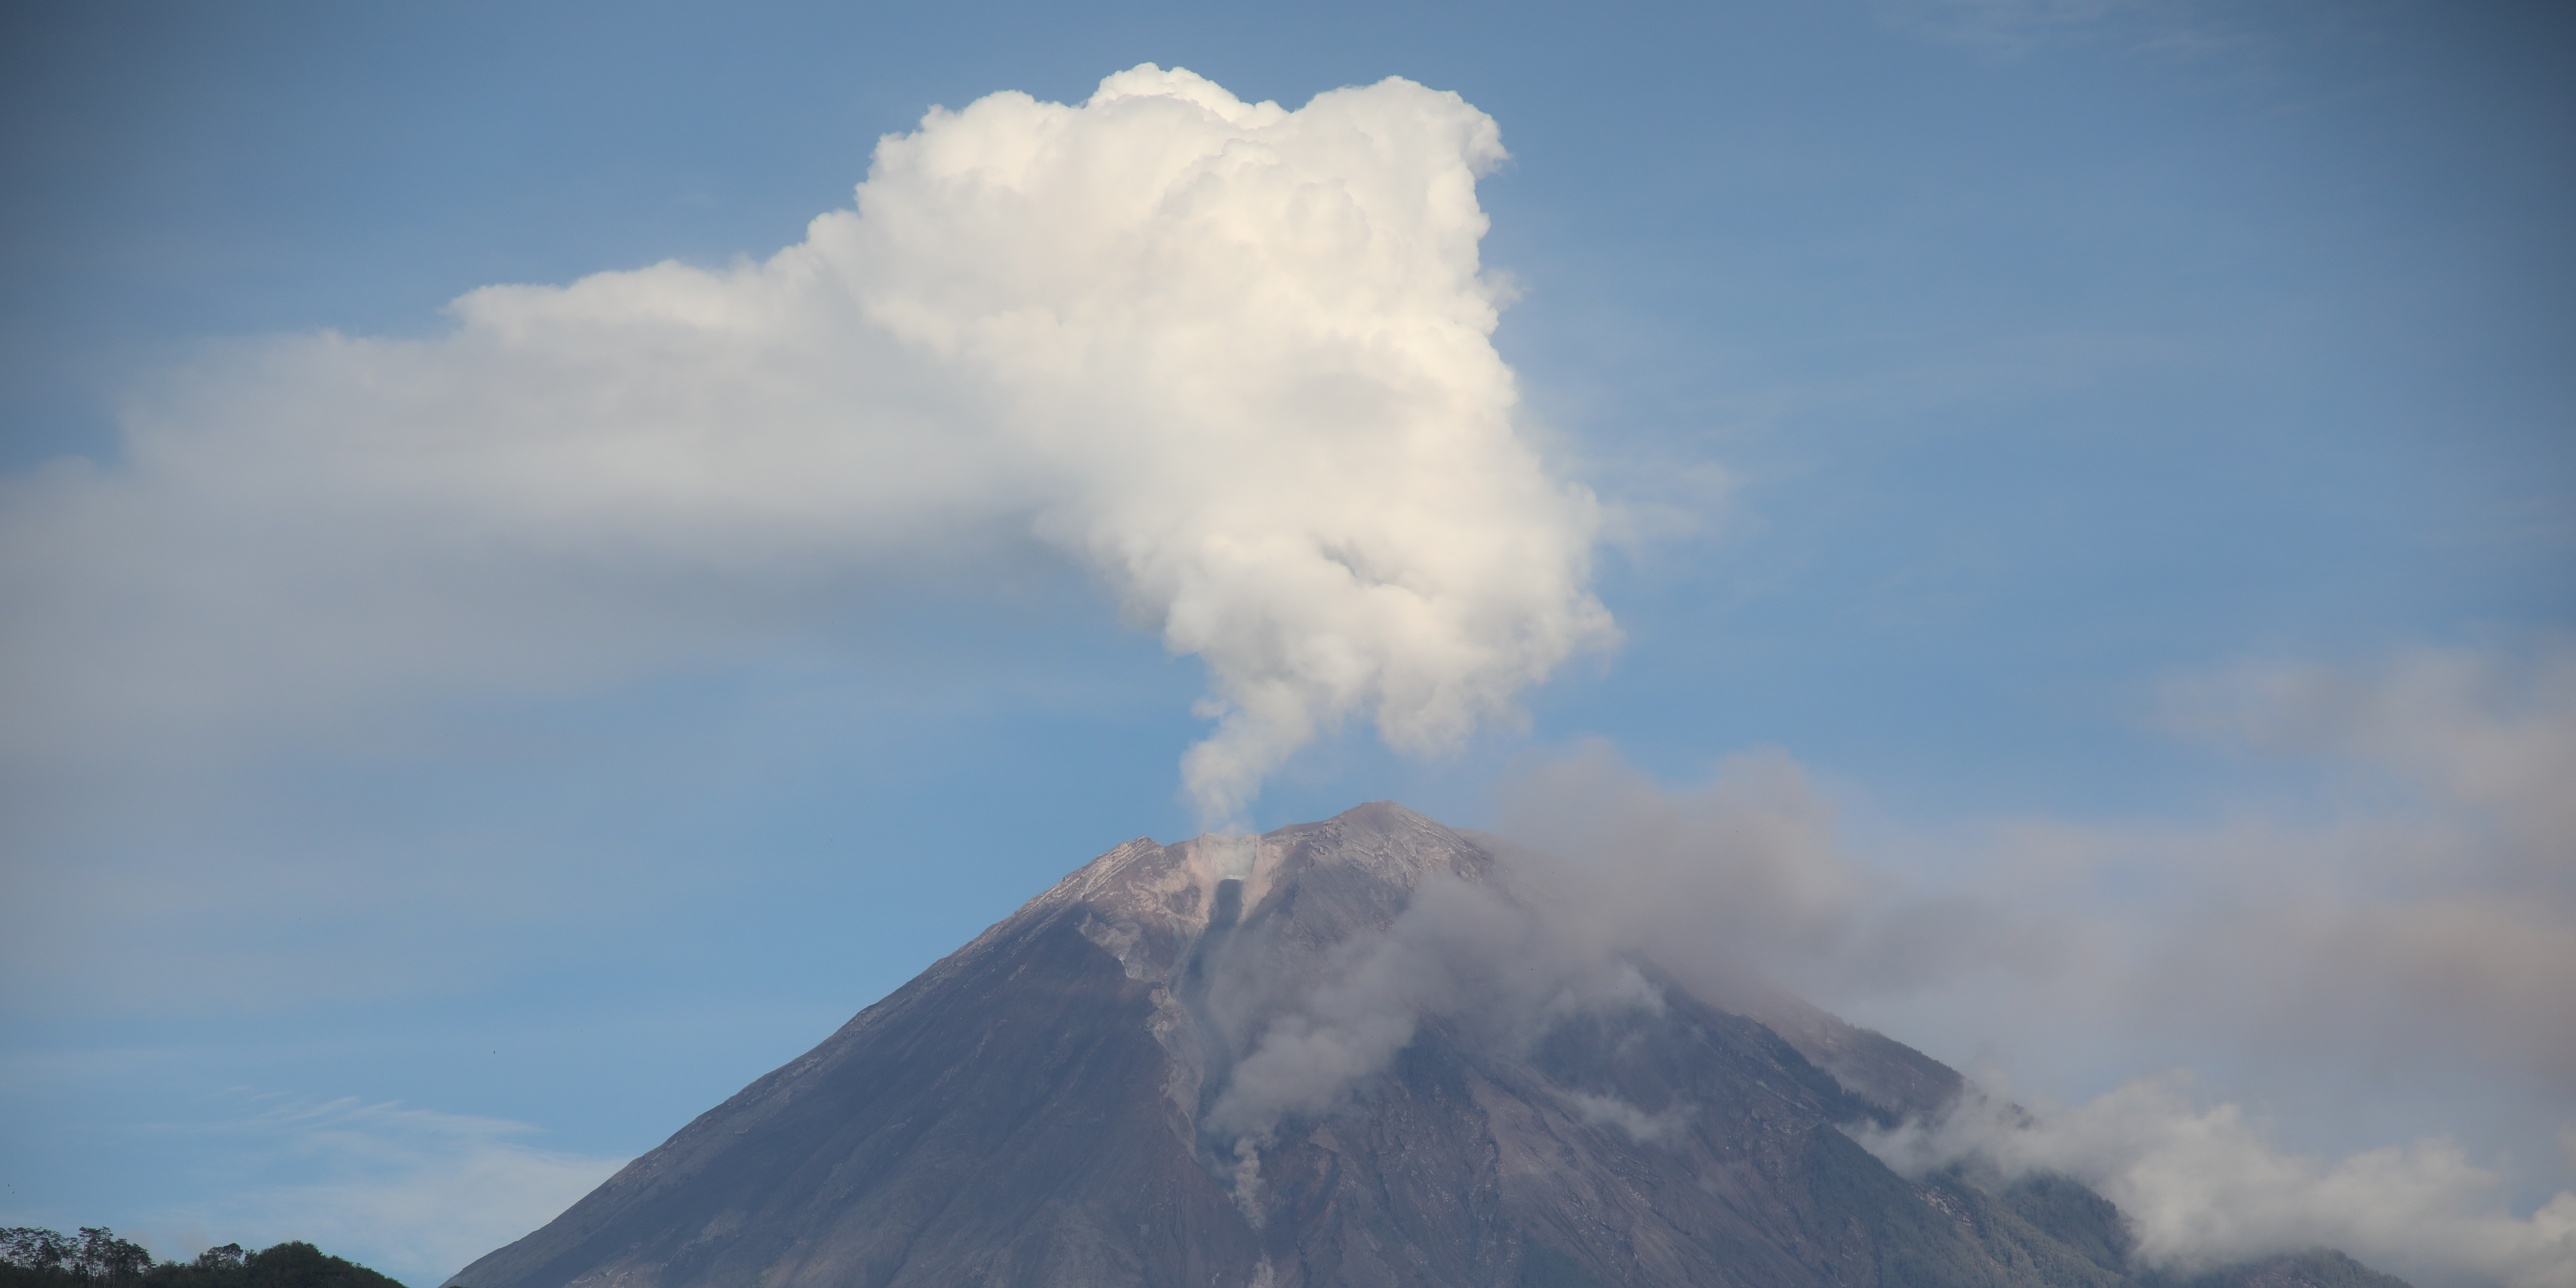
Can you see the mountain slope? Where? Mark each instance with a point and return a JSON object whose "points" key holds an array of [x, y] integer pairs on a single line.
{"points": [[1340, 1054]]}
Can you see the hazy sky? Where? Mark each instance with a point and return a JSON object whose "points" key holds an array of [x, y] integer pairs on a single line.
{"points": [[2072, 501]]}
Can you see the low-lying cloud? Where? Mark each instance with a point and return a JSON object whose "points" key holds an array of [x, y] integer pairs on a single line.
{"points": [[1233, 360], [2202, 1187], [2435, 908], [2388, 935]]}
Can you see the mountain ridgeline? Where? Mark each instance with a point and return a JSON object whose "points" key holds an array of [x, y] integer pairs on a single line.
{"points": [[1343, 1053]]}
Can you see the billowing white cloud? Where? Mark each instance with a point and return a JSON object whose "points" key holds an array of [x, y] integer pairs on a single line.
{"points": [[2206, 1186], [1234, 360]]}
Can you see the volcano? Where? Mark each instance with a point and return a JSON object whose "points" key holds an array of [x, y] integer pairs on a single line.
{"points": [[1342, 1053]]}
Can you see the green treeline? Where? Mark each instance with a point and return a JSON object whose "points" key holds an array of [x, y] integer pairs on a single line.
{"points": [[96, 1258]]}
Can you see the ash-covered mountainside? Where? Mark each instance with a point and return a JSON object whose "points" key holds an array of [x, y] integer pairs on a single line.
{"points": [[1344, 1053]]}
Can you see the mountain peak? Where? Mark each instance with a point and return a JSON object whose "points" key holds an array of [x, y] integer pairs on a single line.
{"points": [[1148, 903], [1315, 1057]]}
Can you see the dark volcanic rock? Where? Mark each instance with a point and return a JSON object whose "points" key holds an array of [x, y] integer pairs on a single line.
{"points": [[1318, 1058]]}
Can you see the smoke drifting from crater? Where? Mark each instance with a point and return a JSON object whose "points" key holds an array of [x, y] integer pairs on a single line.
{"points": [[1232, 359], [1314, 1026], [1740, 878], [2404, 941]]}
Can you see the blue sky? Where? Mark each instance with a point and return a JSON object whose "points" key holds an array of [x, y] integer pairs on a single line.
{"points": [[2120, 452]]}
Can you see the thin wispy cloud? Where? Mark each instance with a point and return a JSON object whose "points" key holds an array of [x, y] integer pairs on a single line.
{"points": [[424, 1191], [2017, 28]]}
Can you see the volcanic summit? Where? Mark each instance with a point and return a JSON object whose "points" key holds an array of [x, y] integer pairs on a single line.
{"points": [[1342, 1053]]}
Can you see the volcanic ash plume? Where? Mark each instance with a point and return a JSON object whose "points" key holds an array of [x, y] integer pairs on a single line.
{"points": [[1233, 359]]}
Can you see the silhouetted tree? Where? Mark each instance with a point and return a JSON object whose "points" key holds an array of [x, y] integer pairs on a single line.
{"points": [[97, 1255], [27, 1248], [35, 1258]]}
